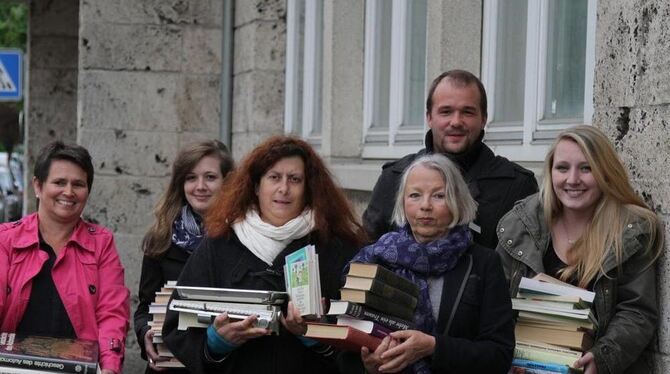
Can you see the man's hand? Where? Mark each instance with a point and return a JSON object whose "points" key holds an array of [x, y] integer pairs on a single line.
{"points": [[152, 354], [294, 321]]}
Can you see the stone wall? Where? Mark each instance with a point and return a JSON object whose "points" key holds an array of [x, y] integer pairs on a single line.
{"points": [[149, 83], [51, 89], [632, 105], [258, 72]]}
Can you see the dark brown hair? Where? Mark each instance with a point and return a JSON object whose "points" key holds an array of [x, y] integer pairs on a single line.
{"points": [[58, 150], [333, 214], [464, 78]]}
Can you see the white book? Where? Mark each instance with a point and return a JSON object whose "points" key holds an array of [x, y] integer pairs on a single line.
{"points": [[535, 285]]}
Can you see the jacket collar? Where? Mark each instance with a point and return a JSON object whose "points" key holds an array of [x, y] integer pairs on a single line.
{"points": [[477, 163], [28, 236]]}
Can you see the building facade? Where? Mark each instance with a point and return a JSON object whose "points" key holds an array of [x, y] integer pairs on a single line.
{"points": [[135, 80]]}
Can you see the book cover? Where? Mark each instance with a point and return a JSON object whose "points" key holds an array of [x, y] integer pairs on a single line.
{"points": [[48, 354], [534, 352], [554, 368], [377, 302], [301, 275], [343, 337], [380, 288], [338, 307], [524, 370], [385, 275], [368, 327], [578, 340], [529, 285]]}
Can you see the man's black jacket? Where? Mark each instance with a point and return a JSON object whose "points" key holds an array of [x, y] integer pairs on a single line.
{"points": [[494, 182]]}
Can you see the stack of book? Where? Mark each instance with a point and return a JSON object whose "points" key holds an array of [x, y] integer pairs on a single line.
{"points": [[375, 302], [198, 306], [158, 309], [41, 354], [555, 324]]}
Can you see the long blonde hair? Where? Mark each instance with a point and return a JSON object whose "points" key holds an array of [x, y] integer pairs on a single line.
{"points": [[157, 240], [618, 206]]}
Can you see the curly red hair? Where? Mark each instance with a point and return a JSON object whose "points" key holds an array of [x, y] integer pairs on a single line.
{"points": [[333, 214]]}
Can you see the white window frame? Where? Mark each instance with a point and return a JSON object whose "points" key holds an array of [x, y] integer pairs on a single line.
{"points": [[311, 73], [398, 140], [536, 135]]}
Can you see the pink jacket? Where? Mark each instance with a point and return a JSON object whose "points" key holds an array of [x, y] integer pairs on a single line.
{"points": [[88, 276]]}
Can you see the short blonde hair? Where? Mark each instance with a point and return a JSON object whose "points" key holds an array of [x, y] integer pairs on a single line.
{"points": [[462, 206]]}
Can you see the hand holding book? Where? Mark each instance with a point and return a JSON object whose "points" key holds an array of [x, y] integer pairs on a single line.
{"points": [[238, 332]]}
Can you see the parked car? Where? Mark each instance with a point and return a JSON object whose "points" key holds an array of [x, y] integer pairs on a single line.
{"points": [[11, 172]]}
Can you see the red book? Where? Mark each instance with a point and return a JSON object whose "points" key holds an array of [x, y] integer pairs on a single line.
{"points": [[344, 337]]}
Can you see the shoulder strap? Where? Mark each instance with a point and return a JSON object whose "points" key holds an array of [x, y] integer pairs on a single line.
{"points": [[454, 285]]}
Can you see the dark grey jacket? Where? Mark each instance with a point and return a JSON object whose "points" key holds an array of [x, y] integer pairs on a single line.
{"points": [[494, 182], [625, 303]]}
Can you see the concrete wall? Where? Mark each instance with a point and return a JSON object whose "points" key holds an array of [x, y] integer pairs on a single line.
{"points": [[51, 92], [149, 82], [632, 105]]}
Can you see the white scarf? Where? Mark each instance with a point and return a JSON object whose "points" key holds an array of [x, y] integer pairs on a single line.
{"points": [[266, 241]]}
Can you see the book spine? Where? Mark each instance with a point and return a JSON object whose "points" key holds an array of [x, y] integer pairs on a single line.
{"points": [[387, 276], [391, 293], [563, 369], [380, 331], [543, 356], [379, 303], [393, 323], [48, 364]]}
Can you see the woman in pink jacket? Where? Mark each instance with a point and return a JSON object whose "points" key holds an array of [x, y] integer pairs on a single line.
{"points": [[61, 276]]}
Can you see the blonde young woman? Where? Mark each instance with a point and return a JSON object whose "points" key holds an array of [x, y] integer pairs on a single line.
{"points": [[587, 226], [197, 176]]}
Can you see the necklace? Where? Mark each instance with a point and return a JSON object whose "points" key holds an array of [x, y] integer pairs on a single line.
{"points": [[567, 234]]}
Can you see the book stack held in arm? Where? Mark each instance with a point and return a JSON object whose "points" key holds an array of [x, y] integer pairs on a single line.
{"points": [[158, 309], [374, 302], [41, 354], [554, 327]]}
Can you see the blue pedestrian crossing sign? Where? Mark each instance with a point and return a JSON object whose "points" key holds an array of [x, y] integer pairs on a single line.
{"points": [[11, 75]]}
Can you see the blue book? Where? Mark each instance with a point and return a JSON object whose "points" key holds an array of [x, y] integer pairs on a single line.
{"points": [[556, 368]]}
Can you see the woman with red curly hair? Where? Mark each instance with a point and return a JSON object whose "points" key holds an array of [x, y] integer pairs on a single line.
{"points": [[281, 199]]}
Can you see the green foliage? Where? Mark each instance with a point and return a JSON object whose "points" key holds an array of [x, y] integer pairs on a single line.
{"points": [[13, 25]]}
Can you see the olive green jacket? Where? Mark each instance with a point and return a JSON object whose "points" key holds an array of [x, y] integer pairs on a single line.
{"points": [[625, 303]]}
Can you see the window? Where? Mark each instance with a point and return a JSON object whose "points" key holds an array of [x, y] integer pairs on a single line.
{"points": [[395, 77], [302, 113], [538, 59]]}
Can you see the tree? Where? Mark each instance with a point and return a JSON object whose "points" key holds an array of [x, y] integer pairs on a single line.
{"points": [[13, 25]]}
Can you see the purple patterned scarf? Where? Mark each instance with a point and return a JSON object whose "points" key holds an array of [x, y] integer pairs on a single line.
{"points": [[400, 252]]}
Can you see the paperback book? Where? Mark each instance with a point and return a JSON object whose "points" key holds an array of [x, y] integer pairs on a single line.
{"points": [[301, 274]]}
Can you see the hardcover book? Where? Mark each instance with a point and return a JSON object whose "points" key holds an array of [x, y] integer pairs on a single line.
{"points": [[343, 337], [380, 288], [378, 302], [301, 274], [367, 327], [385, 275], [338, 307], [47, 354]]}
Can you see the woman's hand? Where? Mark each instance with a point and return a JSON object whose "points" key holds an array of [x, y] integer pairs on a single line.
{"points": [[238, 333], [373, 360], [152, 354], [588, 363], [414, 345], [294, 321]]}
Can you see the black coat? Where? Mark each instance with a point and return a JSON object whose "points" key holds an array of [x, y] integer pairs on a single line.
{"points": [[480, 336], [227, 263], [155, 272], [494, 182]]}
